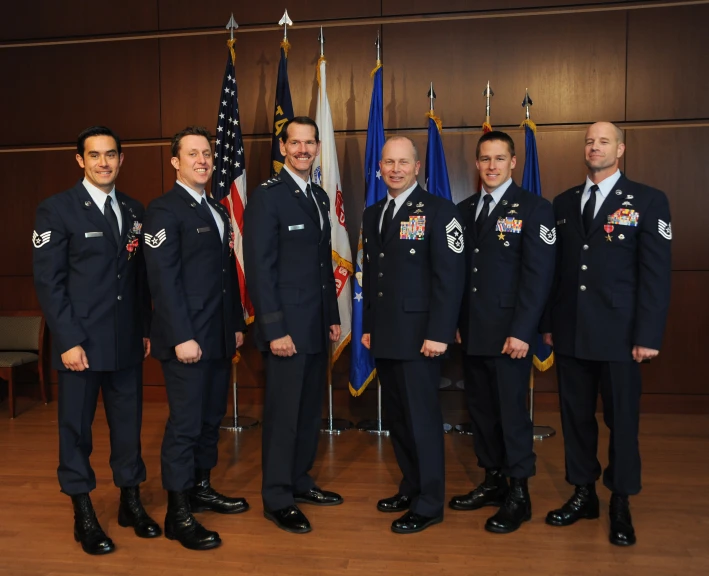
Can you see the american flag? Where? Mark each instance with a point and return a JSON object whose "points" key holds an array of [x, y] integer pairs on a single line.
{"points": [[229, 178]]}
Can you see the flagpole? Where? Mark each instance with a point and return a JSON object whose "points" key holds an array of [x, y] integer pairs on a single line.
{"points": [[236, 423]]}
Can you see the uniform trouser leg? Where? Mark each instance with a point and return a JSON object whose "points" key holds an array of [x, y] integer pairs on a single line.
{"points": [[78, 394], [309, 421], [186, 385], [123, 401], [578, 392], [418, 387], [292, 386], [397, 418], [214, 401], [496, 389], [621, 388]]}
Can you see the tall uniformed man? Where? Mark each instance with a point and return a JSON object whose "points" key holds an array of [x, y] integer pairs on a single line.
{"points": [[606, 315], [89, 274], [510, 235], [198, 325], [414, 268], [289, 274]]}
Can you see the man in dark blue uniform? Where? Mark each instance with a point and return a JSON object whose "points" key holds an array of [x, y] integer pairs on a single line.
{"points": [[606, 315], [287, 255], [198, 324], [414, 269], [510, 235], [89, 274]]}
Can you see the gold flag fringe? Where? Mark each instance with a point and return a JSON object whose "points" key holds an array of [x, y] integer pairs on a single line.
{"points": [[529, 123], [286, 46], [487, 127], [359, 392], [544, 366], [320, 61], [432, 115], [231, 43], [377, 67]]}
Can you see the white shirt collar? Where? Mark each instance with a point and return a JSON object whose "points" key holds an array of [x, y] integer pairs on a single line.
{"points": [[499, 191], [98, 195], [604, 186], [196, 195], [401, 198], [302, 184]]}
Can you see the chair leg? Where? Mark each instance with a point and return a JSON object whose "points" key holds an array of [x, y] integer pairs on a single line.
{"points": [[11, 393]]}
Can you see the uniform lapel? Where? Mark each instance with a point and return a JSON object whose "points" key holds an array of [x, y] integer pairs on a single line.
{"points": [[613, 202], [300, 197], [576, 209], [127, 222], [198, 210], [321, 205], [94, 214], [498, 210], [224, 215]]}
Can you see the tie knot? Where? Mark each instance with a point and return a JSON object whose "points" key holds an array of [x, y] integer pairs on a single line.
{"points": [[593, 189], [308, 190], [109, 200], [204, 202], [487, 198]]}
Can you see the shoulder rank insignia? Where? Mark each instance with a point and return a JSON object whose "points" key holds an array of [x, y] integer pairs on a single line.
{"points": [[271, 181], [39, 240], [547, 236], [454, 236], [665, 229], [155, 241]]}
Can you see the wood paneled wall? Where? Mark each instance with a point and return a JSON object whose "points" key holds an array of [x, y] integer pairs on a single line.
{"points": [[148, 68]]}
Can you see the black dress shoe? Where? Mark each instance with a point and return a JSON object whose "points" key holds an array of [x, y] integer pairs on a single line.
{"points": [[132, 513], [290, 519], [516, 509], [583, 504], [180, 525], [397, 503], [492, 492], [318, 497], [410, 523], [622, 532], [204, 498], [87, 530]]}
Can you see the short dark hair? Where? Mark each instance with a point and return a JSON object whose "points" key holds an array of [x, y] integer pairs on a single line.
{"points": [[493, 136], [96, 131], [189, 131], [300, 120]]}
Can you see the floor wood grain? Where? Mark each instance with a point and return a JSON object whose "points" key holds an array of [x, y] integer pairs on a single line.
{"points": [[671, 515]]}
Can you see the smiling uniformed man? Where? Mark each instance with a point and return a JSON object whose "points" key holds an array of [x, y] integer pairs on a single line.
{"points": [[414, 268]]}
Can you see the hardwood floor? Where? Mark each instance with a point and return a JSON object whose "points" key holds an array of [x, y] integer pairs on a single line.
{"points": [[671, 515]]}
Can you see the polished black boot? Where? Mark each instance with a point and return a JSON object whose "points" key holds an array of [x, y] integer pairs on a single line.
{"points": [[492, 492], [583, 504], [87, 530], [622, 531], [180, 525], [516, 509], [204, 498], [132, 513]]}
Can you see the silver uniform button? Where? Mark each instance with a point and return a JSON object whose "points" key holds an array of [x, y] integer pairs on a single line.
{"points": [[380, 294], [381, 274], [583, 288], [120, 297], [585, 246], [584, 267], [119, 276], [475, 269], [381, 255], [476, 250], [475, 289]]}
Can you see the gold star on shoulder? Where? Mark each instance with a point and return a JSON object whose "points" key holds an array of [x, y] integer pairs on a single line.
{"points": [[609, 238], [501, 236]]}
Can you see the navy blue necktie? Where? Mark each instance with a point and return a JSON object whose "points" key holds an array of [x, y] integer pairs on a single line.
{"points": [[112, 219]]}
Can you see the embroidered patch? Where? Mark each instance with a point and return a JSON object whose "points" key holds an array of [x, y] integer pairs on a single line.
{"points": [[624, 217], [548, 236], [509, 224], [155, 241], [454, 235], [39, 240], [665, 229], [414, 229]]}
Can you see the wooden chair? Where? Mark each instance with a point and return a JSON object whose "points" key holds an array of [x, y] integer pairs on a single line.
{"points": [[22, 343]]}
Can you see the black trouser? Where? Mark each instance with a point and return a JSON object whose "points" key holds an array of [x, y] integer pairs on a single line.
{"points": [[413, 413], [123, 402], [291, 425], [197, 396], [496, 390], [620, 386]]}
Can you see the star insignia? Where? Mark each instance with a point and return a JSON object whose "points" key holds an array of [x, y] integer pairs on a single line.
{"points": [[379, 175], [609, 238], [358, 296], [501, 236]]}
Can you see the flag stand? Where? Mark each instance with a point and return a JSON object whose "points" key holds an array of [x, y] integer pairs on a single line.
{"points": [[375, 426], [332, 425], [236, 423], [540, 432]]}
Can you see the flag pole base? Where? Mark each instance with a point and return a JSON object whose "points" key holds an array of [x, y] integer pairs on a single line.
{"points": [[464, 428], [542, 432], [237, 424], [335, 426], [373, 427]]}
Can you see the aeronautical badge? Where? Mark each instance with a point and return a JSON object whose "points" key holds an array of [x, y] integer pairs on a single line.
{"points": [[548, 236], [626, 203], [665, 229], [39, 240], [454, 235], [153, 241], [515, 205], [419, 205]]}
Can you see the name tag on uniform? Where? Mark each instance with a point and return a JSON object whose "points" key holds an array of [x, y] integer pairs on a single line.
{"points": [[93, 234], [560, 222], [203, 230], [296, 227]]}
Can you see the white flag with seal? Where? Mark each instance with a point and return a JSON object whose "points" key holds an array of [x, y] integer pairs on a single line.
{"points": [[326, 174]]}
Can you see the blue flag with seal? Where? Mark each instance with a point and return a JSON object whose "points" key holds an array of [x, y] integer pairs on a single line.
{"points": [[544, 355], [283, 109], [437, 182], [362, 370]]}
